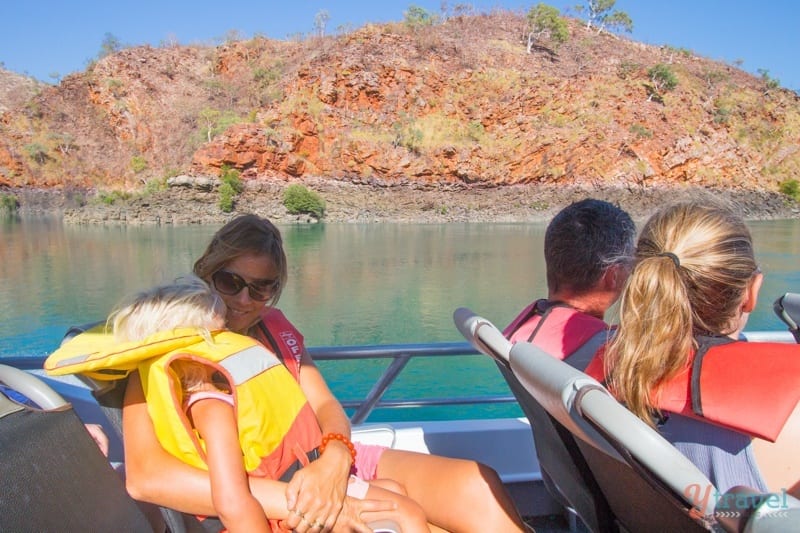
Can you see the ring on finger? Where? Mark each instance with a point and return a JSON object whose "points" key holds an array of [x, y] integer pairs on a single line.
{"points": [[319, 525], [301, 514]]}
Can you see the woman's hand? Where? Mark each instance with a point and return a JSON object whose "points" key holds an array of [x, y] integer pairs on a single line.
{"points": [[317, 491], [348, 521]]}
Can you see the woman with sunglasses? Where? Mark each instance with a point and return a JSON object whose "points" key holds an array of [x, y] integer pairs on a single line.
{"points": [[245, 263]]}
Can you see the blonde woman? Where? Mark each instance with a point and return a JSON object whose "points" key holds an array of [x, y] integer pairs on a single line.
{"points": [[676, 360]]}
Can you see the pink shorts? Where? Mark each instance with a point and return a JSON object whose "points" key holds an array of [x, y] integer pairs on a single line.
{"points": [[357, 488], [367, 457]]}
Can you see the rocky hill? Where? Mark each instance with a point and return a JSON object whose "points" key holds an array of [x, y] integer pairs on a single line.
{"points": [[457, 106]]}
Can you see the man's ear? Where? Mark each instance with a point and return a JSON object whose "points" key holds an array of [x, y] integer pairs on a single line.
{"points": [[615, 277], [751, 293]]}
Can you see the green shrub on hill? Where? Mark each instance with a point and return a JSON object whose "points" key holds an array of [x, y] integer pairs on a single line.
{"points": [[138, 164], [230, 188], [37, 152], [230, 176], [226, 196], [155, 185], [790, 188], [8, 204], [111, 197], [298, 199]]}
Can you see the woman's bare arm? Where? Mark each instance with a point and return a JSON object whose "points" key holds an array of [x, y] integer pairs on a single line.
{"points": [[778, 461], [320, 488]]}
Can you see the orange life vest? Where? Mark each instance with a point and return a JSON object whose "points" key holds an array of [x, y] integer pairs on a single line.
{"points": [[560, 330], [750, 387]]}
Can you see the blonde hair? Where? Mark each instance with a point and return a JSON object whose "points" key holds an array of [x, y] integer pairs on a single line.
{"points": [[188, 302], [693, 265]]}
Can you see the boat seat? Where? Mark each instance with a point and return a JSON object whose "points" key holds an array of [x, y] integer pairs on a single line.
{"points": [[564, 471], [648, 483], [54, 476], [787, 307], [747, 510]]}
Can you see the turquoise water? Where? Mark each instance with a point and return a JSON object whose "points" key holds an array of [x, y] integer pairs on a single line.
{"points": [[348, 284]]}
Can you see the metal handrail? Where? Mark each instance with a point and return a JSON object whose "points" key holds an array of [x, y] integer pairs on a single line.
{"points": [[400, 354]]}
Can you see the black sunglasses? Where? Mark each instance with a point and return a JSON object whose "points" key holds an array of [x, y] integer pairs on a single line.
{"points": [[231, 284]]}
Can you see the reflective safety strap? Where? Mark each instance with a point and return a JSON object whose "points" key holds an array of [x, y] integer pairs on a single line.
{"points": [[248, 363]]}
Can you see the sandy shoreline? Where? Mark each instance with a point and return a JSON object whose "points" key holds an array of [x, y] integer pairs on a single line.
{"points": [[349, 203]]}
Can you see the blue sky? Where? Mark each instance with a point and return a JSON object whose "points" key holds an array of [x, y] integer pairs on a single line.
{"points": [[45, 37]]}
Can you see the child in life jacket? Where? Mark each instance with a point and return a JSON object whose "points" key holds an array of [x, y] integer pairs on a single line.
{"points": [[223, 402]]}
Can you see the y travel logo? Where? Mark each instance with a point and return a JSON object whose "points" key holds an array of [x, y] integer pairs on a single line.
{"points": [[737, 504]]}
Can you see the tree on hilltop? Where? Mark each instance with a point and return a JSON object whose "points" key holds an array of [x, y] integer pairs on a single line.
{"points": [[321, 21], [545, 21], [109, 45], [417, 17], [601, 14]]}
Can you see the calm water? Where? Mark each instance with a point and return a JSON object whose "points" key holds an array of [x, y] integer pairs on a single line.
{"points": [[348, 284]]}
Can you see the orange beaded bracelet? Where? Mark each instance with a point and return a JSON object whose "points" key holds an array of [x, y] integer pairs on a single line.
{"points": [[344, 440]]}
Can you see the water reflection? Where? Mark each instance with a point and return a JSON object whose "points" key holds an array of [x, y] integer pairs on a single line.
{"points": [[52, 276], [348, 284]]}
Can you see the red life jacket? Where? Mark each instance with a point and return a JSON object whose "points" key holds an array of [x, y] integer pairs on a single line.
{"points": [[750, 387], [276, 332], [560, 330]]}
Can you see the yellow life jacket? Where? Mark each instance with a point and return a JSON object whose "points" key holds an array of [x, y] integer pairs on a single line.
{"points": [[277, 427]]}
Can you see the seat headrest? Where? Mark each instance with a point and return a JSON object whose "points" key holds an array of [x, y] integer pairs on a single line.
{"points": [[482, 334]]}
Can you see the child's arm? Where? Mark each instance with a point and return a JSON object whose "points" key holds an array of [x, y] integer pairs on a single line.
{"points": [[153, 475], [230, 492]]}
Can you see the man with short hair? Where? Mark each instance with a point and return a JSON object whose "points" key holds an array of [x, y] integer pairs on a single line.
{"points": [[588, 247]]}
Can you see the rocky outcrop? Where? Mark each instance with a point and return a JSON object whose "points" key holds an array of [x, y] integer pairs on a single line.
{"points": [[452, 108], [16, 89], [346, 202]]}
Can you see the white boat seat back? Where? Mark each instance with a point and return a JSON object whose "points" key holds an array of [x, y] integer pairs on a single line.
{"points": [[552, 383], [563, 468], [374, 434], [642, 476]]}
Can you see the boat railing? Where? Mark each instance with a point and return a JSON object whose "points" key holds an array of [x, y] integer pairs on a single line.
{"points": [[400, 354]]}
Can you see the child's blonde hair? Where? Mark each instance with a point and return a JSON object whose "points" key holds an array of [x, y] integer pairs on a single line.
{"points": [[187, 302]]}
